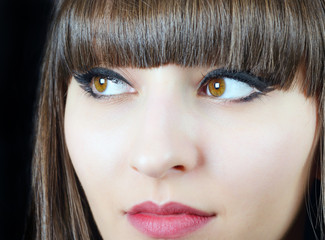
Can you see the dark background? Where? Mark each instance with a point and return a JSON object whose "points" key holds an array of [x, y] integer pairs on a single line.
{"points": [[23, 26]]}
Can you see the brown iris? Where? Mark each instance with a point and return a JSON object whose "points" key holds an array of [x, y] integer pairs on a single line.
{"points": [[217, 87], [100, 83]]}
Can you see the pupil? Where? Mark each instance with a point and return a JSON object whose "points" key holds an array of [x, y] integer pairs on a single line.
{"points": [[217, 85]]}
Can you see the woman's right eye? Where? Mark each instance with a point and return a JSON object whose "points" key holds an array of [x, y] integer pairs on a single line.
{"points": [[103, 82], [107, 86]]}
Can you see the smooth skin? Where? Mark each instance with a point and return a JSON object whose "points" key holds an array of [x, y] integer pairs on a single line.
{"points": [[248, 162]]}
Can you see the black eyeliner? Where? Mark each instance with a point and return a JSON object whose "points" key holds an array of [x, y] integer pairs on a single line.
{"points": [[85, 78], [251, 97], [245, 77]]}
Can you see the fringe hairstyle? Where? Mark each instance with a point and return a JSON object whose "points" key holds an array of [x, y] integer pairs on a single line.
{"points": [[269, 38]]}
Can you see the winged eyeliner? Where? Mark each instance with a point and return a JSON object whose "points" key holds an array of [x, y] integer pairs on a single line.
{"points": [[85, 78], [245, 77]]}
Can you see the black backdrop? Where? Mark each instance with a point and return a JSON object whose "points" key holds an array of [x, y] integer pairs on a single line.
{"points": [[23, 26]]}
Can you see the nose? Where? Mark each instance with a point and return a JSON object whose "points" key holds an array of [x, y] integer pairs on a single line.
{"points": [[164, 142]]}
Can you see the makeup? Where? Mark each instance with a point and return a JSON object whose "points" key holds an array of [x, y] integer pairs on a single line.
{"points": [[98, 72], [259, 86], [112, 80], [245, 77], [171, 220]]}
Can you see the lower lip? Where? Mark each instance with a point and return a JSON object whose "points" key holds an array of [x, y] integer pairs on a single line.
{"points": [[167, 226]]}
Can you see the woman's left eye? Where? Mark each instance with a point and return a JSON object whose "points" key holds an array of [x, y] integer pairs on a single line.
{"points": [[233, 86], [109, 86], [229, 89]]}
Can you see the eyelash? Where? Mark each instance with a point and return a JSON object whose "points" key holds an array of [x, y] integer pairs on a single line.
{"points": [[85, 80], [244, 77]]}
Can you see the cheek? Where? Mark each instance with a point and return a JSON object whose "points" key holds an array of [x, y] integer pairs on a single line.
{"points": [[265, 156], [95, 142], [93, 151], [276, 139], [262, 158]]}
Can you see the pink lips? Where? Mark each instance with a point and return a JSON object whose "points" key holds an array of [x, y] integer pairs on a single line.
{"points": [[172, 220]]}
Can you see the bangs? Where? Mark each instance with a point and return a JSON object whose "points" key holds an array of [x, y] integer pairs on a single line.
{"points": [[270, 39]]}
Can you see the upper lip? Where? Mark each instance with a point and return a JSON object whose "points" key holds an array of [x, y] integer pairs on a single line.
{"points": [[171, 208]]}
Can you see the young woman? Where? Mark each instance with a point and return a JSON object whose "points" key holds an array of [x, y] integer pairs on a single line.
{"points": [[181, 119]]}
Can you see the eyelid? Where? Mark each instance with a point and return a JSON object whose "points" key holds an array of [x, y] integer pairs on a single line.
{"points": [[245, 77], [86, 78]]}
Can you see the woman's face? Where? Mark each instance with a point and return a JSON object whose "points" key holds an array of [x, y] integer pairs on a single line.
{"points": [[167, 158]]}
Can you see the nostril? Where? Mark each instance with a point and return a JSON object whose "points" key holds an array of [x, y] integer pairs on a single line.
{"points": [[180, 168]]}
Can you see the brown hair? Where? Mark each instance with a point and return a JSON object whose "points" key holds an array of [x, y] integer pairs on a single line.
{"points": [[270, 38]]}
